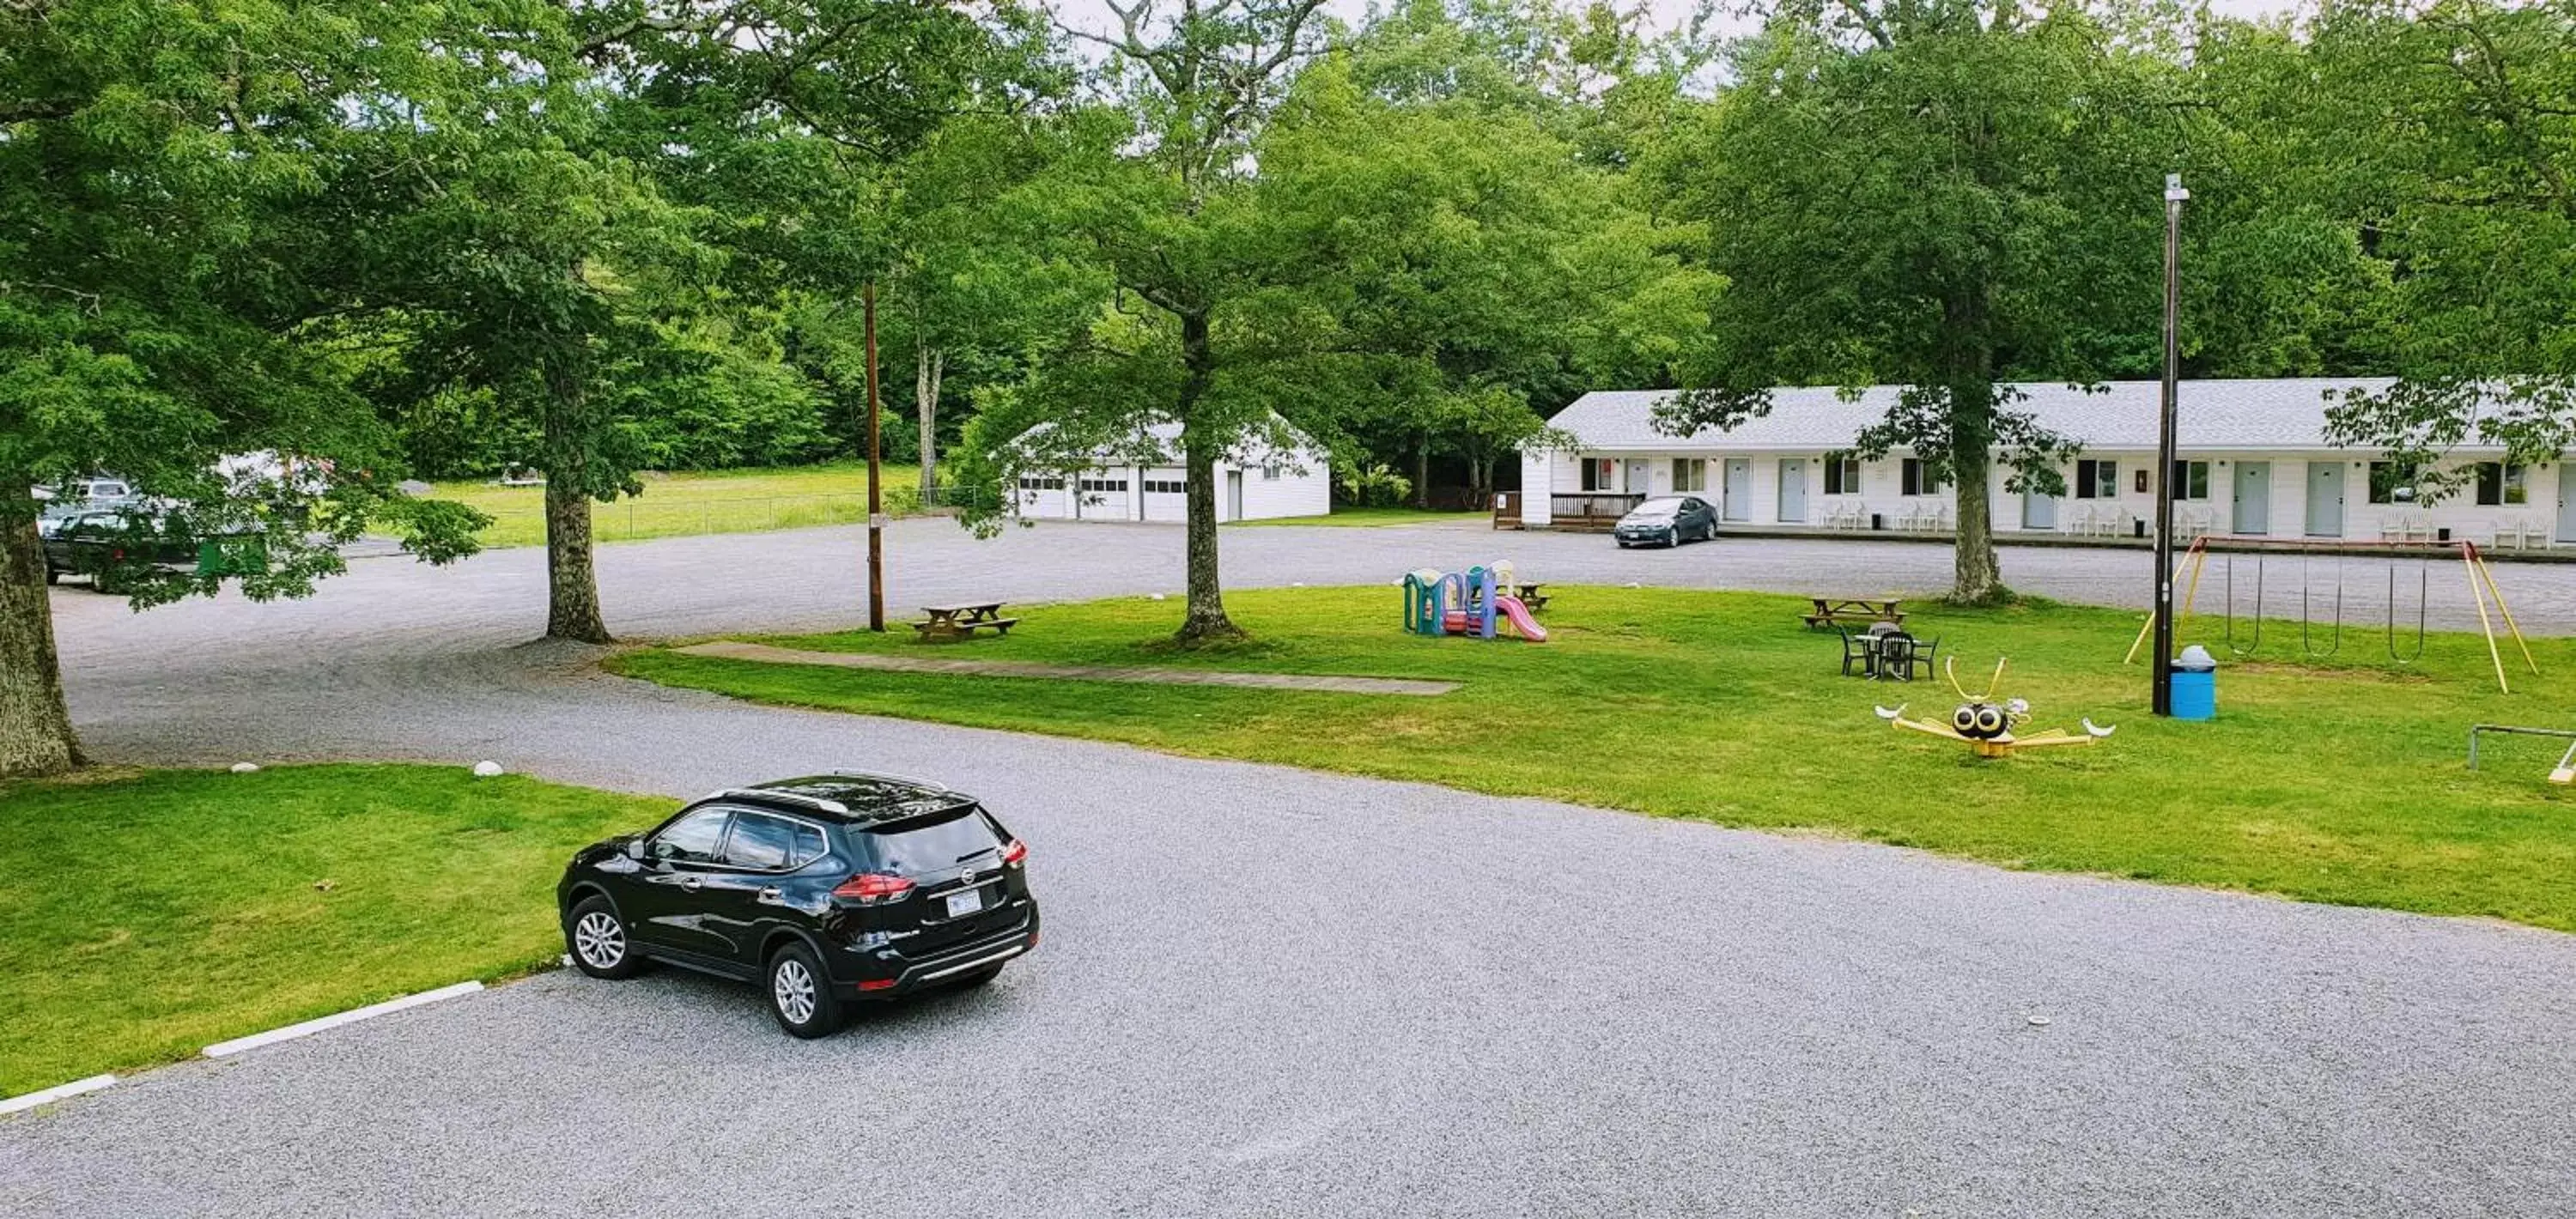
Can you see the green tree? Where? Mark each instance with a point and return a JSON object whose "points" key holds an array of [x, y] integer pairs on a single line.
{"points": [[163, 257], [1945, 196], [2450, 131], [1164, 192]]}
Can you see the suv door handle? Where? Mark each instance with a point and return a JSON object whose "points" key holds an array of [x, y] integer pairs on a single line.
{"points": [[769, 894], [689, 882]]}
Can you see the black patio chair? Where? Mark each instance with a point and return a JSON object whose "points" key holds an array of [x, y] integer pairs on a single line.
{"points": [[1895, 657], [1853, 650], [1924, 655]]}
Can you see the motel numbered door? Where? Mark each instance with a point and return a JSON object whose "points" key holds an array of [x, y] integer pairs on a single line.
{"points": [[2253, 498], [1739, 490], [2325, 499], [1793, 489], [2038, 512], [2566, 503]]}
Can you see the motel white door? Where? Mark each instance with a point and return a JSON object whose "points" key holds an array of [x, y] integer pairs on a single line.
{"points": [[2038, 511], [1739, 489], [1793, 489], [1636, 484], [2325, 499], [1234, 495], [2253, 497], [2566, 503]]}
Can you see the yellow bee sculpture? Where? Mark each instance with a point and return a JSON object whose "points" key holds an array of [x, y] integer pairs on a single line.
{"points": [[1986, 725]]}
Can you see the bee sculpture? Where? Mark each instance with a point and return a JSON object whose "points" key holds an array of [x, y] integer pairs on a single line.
{"points": [[1987, 725]]}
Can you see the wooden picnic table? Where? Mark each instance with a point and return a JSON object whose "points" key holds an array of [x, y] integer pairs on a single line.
{"points": [[1529, 594], [948, 623], [1835, 611]]}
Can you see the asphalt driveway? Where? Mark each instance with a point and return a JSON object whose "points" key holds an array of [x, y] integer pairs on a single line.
{"points": [[1268, 992]]}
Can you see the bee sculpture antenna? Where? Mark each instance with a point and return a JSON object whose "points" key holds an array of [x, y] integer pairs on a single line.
{"points": [[1950, 667]]}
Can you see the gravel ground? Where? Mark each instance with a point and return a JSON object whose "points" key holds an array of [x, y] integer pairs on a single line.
{"points": [[1268, 992]]}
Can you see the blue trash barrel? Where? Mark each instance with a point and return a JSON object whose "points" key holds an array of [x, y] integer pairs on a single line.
{"points": [[2195, 686]]}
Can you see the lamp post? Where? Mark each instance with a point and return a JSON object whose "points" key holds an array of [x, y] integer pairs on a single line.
{"points": [[2174, 196]]}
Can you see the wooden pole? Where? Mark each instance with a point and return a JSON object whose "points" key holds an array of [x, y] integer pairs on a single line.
{"points": [[2502, 608], [2469, 560], [876, 504], [2162, 689]]}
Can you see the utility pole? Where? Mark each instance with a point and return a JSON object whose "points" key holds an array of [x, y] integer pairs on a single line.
{"points": [[2174, 196], [876, 503]]}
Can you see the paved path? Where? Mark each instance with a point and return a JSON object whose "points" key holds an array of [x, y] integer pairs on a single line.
{"points": [[1269, 992], [730, 649]]}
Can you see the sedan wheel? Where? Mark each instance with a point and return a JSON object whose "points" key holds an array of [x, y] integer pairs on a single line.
{"points": [[799, 995], [598, 941]]}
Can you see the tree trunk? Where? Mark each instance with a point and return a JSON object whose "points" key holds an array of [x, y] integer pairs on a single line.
{"points": [[1976, 578], [1422, 472], [1206, 617], [35, 725], [928, 363], [572, 585]]}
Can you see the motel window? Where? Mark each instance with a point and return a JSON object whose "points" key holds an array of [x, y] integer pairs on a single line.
{"points": [[1270, 474], [1842, 476], [1919, 479], [2392, 482], [1690, 474], [2191, 480], [2499, 483], [1600, 473], [2097, 479]]}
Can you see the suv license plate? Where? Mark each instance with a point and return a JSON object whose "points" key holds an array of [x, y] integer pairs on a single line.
{"points": [[967, 902]]}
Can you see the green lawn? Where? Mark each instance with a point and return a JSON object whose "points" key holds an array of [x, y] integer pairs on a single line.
{"points": [[146, 916], [722, 501], [1364, 518], [2338, 783]]}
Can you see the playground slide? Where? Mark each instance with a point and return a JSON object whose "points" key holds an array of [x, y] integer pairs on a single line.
{"points": [[1528, 626]]}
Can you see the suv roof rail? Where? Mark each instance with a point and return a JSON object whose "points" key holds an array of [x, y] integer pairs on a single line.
{"points": [[879, 774], [770, 793]]}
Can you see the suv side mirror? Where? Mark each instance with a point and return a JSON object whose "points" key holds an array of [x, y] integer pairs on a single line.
{"points": [[635, 849]]}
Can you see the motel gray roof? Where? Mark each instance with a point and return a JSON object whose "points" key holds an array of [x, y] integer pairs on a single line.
{"points": [[2249, 415]]}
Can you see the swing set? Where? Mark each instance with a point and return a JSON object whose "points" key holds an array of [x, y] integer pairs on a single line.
{"points": [[2483, 590]]}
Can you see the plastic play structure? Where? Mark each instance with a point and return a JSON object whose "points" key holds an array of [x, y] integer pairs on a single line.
{"points": [[2483, 591], [1466, 603], [1986, 725]]}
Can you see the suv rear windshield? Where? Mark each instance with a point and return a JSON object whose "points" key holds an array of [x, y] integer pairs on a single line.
{"points": [[914, 848]]}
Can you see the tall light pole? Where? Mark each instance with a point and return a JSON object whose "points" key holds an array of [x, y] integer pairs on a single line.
{"points": [[876, 505], [2174, 196]]}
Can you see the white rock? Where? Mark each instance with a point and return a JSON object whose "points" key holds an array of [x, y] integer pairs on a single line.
{"points": [[1296, 584], [486, 768], [1159, 597], [245, 768], [2040, 1021]]}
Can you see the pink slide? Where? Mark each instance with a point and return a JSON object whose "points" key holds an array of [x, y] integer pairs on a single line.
{"points": [[1521, 619]]}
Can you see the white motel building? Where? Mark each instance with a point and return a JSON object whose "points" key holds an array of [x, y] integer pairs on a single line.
{"points": [[2252, 462]]}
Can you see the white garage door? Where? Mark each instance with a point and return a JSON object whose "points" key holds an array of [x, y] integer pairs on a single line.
{"points": [[1105, 498], [1166, 496], [1044, 498]]}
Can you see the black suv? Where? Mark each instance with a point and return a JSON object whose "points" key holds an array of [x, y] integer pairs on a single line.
{"points": [[829, 889]]}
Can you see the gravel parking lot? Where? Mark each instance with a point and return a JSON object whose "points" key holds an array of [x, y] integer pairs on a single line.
{"points": [[1269, 992]]}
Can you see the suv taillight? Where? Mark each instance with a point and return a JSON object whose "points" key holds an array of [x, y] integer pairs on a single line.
{"points": [[871, 888], [1015, 851]]}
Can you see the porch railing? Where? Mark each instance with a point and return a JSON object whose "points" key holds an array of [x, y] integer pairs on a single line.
{"points": [[1590, 509]]}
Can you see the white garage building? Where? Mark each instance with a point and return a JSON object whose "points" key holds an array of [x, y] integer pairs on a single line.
{"points": [[2253, 462], [1146, 482]]}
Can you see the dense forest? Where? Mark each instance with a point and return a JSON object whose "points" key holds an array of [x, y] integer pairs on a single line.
{"points": [[438, 238]]}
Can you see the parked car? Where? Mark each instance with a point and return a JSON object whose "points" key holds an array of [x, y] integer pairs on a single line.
{"points": [[827, 890], [1671, 520], [108, 545]]}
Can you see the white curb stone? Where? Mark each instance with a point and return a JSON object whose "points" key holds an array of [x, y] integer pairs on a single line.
{"points": [[49, 1095], [226, 1049]]}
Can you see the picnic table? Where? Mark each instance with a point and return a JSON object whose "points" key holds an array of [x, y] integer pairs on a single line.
{"points": [[949, 623], [1835, 611], [1529, 594]]}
